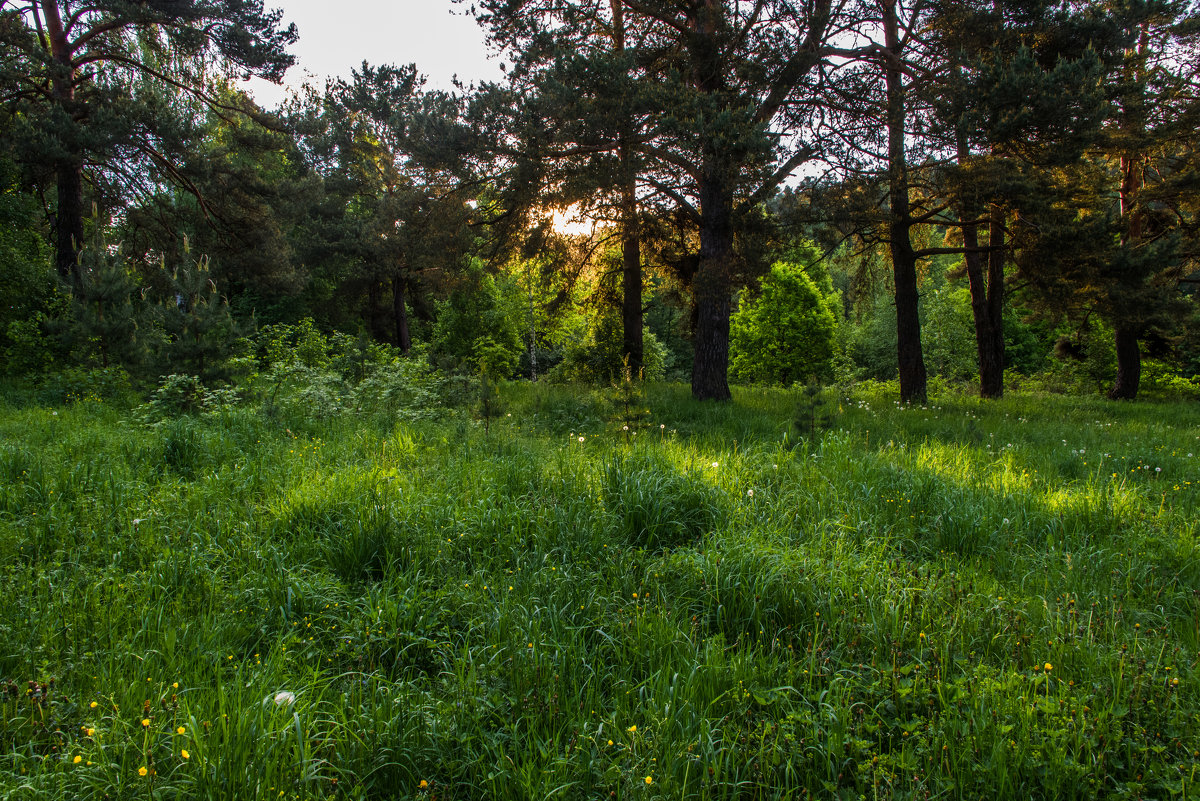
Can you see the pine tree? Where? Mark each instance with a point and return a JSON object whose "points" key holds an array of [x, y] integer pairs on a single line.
{"points": [[79, 69]]}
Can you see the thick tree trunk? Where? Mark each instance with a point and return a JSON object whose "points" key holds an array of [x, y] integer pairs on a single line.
{"points": [[1129, 366], [987, 306], [400, 316], [631, 301], [68, 217], [909, 355], [1129, 354], [712, 288]]}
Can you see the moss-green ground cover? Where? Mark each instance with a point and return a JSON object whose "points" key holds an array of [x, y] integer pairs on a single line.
{"points": [[964, 601]]}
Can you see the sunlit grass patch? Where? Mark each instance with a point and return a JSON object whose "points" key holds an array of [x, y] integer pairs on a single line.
{"points": [[717, 603]]}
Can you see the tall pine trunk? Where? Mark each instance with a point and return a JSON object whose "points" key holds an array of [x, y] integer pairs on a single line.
{"points": [[400, 316], [711, 288], [632, 344], [987, 304], [909, 355], [1126, 334], [68, 217], [713, 283], [1129, 366], [987, 290], [631, 299]]}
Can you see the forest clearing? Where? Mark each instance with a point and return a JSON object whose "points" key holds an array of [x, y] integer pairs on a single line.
{"points": [[969, 599]]}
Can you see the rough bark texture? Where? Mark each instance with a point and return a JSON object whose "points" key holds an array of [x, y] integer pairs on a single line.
{"points": [[909, 355], [1129, 354], [1129, 366], [631, 300], [712, 285], [711, 289]]}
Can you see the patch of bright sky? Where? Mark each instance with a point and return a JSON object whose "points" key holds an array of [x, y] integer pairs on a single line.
{"points": [[335, 38]]}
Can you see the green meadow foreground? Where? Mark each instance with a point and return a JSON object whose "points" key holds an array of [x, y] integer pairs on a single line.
{"points": [[971, 600]]}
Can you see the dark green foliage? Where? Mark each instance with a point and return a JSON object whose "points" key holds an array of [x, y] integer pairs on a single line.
{"points": [[110, 322], [183, 395], [117, 85], [479, 308], [785, 334], [200, 332], [29, 293], [594, 354], [816, 410]]}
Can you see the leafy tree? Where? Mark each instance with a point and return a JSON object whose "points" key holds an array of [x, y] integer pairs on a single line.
{"points": [[479, 311], [784, 335], [200, 332], [583, 72], [1022, 95], [91, 80], [397, 188], [253, 207], [738, 92]]}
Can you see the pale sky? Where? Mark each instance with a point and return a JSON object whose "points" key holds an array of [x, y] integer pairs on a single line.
{"points": [[337, 37]]}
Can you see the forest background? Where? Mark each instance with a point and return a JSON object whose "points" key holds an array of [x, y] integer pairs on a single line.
{"points": [[996, 194]]}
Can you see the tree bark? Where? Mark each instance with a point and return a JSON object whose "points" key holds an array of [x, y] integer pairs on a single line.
{"points": [[713, 283], [911, 359], [631, 298], [400, 316], [632, 345], [712, 288], [68, 217], [1129, 355], [987, 304], [1129, 366]]}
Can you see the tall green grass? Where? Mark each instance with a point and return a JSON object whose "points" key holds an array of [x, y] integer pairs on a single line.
{"points": [[966, 600]]}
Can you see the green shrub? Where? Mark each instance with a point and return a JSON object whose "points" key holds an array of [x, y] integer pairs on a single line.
{"points": [[477, 309], [179, 395], [784, 335], [593, 354]]}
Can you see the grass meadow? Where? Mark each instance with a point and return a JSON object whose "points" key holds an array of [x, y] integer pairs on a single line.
{"points": [[968, 600]]}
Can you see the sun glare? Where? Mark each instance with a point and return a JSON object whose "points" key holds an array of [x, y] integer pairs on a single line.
{"points": [[570, 221]]}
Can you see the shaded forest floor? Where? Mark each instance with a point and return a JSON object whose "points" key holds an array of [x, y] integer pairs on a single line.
{"points": [[966, 600]]}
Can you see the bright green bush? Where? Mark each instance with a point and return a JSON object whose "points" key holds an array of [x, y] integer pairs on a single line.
{"points": [[478, 308], [594, 354], [784, 335]]}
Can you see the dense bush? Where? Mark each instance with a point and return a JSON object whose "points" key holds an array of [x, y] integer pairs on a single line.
{"points": [[477, 309], [593, 352], [785, 334]]}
